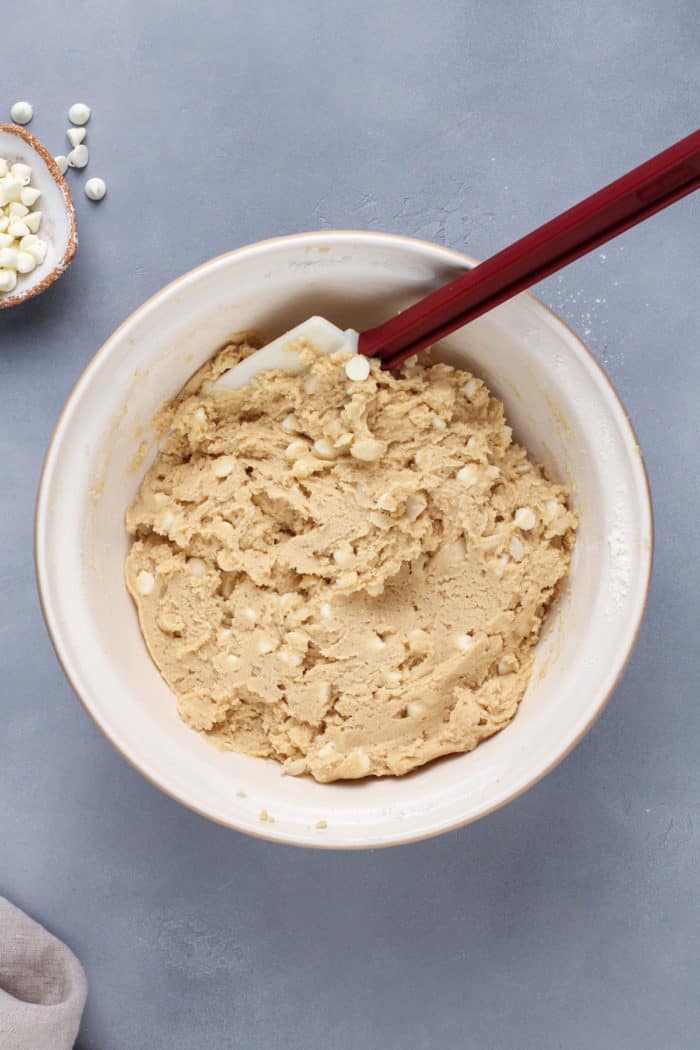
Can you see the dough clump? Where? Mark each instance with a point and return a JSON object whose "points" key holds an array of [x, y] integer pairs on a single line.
{"points": [[348, 577]]}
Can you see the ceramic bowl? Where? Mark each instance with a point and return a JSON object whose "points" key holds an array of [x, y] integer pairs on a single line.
{"points": [[561, 406], [58, 227]]}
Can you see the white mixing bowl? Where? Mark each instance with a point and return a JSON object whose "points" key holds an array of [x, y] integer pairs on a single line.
{"points": [[562, 408]]}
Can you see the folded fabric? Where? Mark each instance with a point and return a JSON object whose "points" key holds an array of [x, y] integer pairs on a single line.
{"points": [[42, 986]]}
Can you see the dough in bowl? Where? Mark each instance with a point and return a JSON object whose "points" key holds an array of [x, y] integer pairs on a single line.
{"points": [[348, 577]]}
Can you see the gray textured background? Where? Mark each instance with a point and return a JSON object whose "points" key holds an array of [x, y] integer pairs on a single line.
{"points": [[567, 920]]}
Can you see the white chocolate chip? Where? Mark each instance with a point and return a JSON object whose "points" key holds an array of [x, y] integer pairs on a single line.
{"points": [[414, 709], [326, 611], [62, 163], [200, 415], [78, 157], [289, 424], [233, 662], [375, 642], [145, 582], [29, 195], [357, 368], [196, 567], [22, 172], [75, 136], [79, 113], [250, 615], [392, 678], [25, 262], [17, 210], [288, 656], [22, 112], [347, 579], [8, 258], [344, 440], [95, 189], [552, 507], [359, 762], [471, 387], [296, 449], [167, 520], [296, 767], [439, 423], [312, 384], [266, 644], [223, 466], [18, 229], [344, 556], [369, 450], [10, 190], [464, 642], [324, 692], [525, 518], [324, 450], [8, 280], [517, 551], [468, 475]]}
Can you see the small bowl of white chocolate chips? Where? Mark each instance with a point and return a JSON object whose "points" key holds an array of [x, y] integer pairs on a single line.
{"points": [[38, 234]]}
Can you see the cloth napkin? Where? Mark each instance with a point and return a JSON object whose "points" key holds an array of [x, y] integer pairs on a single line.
{"points": [[42, 986]]}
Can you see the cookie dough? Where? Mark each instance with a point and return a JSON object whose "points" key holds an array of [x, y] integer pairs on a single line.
{"points": [[346, 576]]}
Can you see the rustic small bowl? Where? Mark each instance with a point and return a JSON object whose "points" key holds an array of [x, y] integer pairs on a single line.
{"points": [[58, 226]]}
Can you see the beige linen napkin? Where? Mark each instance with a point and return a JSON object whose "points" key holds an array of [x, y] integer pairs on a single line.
{"points": [[42, 986]]}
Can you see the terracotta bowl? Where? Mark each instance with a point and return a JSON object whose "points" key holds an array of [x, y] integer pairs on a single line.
{"points": [[58, 227]]}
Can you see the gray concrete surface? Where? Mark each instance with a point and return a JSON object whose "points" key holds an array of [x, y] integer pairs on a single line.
{"points": [[570, 918]]}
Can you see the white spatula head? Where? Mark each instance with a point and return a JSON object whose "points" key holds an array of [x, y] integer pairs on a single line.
{"points": [[324, 336]]}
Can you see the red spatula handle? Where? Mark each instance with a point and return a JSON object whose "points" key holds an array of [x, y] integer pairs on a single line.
{"points": [[597, 219]]}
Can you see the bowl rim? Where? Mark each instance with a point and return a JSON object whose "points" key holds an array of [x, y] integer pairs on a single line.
{"points": [[265, 832], [67, 258]]}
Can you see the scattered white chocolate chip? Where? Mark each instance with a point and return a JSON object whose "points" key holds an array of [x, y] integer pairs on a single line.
{"points": [[392, 678], [375, 642], [296, 449], [357, 368], [552, 507], [344, 440], [297, 641], [200, 415], [312, 384], [167, 520], [196, 566], [22, 112], [289, 424], [145, 582], [78, 157], [79, 113], [266, 644], [471, 387], [344, 556], [324, 450], [523, 468], [525, 518], [468, 475], [439, 423], [8, 280], [503, 667], [25, 262], [517, 551], [369, 450], [464, 642], [250, 615], [295, 768], [62, 163], [326, 611], [95, 189], [233, 662], [75, 136], [414, 709], [223, 466]]}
